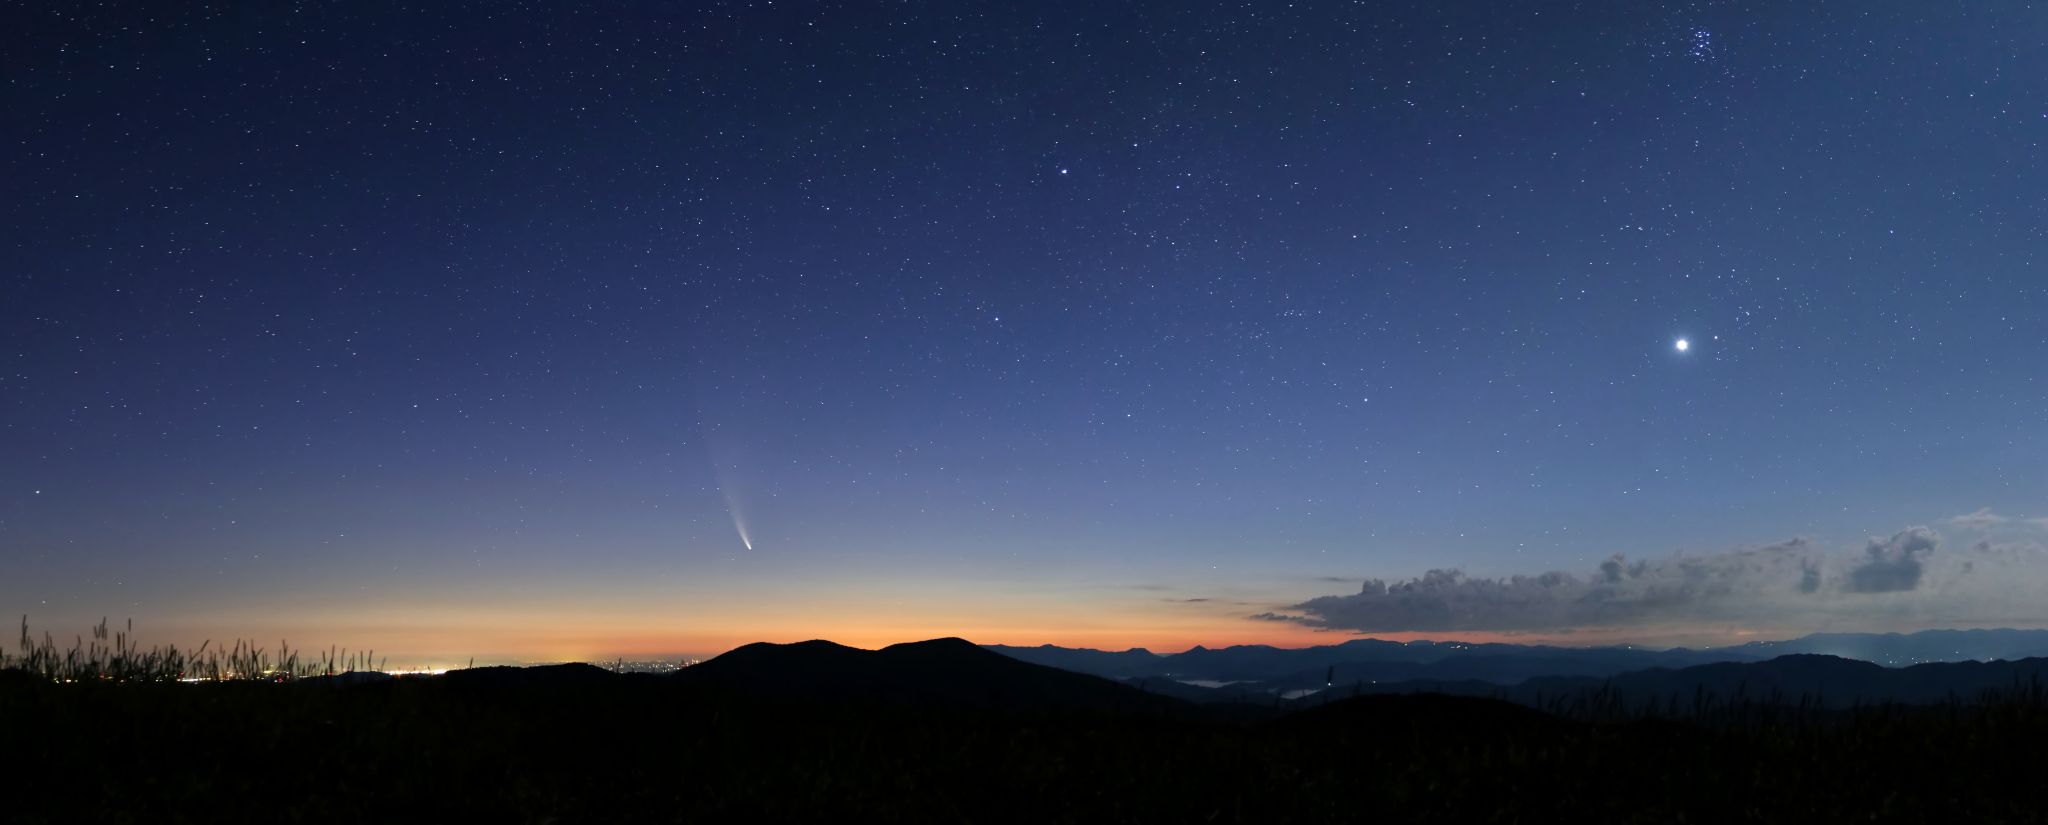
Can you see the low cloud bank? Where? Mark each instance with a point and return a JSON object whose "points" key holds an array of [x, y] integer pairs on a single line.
{"points": [[1904, 576]]}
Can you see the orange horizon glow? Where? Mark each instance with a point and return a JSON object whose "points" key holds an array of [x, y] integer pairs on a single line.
{"points": [[445, 644], [453, 628]]}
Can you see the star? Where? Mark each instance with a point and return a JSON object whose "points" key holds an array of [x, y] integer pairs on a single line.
{"points": [[1683, 345]]}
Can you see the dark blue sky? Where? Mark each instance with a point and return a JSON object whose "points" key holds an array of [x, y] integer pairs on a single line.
{"points": [[1112, 323]]}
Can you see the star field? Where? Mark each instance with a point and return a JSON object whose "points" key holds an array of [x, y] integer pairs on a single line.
{"points": [[441, 323]]}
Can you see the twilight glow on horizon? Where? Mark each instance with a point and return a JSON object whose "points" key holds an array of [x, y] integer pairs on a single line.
{"points": [[538, 332]]}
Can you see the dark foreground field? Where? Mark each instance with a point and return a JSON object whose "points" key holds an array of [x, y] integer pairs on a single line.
{"points": [[580, 745]]}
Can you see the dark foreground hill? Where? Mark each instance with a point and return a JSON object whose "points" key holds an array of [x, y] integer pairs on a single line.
{"points": [[939, 673], [757, 739]]}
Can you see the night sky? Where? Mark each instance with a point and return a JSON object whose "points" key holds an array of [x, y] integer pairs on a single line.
{"points": [[546, 331]]}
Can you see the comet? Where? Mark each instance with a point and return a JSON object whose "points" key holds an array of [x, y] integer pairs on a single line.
{"points": [[741, 528], [739, 523]]}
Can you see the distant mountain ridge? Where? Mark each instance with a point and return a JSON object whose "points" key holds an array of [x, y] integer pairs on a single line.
{"points": [[1901, 649], [1263, 668], [1808, 678], [1368, 659], [950, 673]]}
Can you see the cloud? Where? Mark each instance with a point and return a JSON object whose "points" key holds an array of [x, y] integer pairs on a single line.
{"points": [[1905, 574], [1894, 564], [1809, 576], [1983, 519]]}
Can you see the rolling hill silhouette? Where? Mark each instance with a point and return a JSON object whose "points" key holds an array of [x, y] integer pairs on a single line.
{"points": [[1835, 681], [1822, 681], [1265, 669], [945, 731], [1369, 659], [1913, 648], [948, 673], [955, 674], [572, 675]]}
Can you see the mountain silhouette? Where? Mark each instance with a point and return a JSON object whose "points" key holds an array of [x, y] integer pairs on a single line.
{"points": [[1900, 649], [949, 672], [1267, 669], [1835, 681], [1810, 679], [1262, 668], [572, 675]]}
